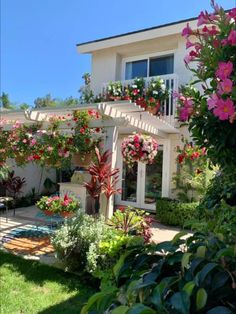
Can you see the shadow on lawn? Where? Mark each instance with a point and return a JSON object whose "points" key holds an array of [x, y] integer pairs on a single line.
{"points": [[35, 272], [70, 306]]}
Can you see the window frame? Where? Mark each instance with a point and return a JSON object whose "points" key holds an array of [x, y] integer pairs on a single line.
{"points": [[147, 57]]}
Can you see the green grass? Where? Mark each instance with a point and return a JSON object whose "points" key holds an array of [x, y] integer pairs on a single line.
{"points": [[27, 286]]}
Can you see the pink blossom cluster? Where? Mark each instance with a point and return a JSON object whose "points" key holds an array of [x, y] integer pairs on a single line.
{"points": [[184, 106], [220, 102], [139, 147], [217, 32]]}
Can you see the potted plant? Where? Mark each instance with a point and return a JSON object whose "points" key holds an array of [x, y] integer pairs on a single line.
{"points": [[156, 93], [114, 90], [85, 138], [136, 90], [139, 147], [64, 206]]}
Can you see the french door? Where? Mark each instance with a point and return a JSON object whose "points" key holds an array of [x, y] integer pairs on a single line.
{"points": [[142, 183]]}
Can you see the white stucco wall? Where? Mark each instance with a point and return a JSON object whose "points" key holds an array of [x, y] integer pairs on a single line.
{"points": [[107, 64], [32, 174]]}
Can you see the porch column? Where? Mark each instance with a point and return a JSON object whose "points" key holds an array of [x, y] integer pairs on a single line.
{"points": [[166, 171], [110, 143]]}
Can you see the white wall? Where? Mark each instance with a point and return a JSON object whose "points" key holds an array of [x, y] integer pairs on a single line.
{"points": [[107, 63], [32, 174]]}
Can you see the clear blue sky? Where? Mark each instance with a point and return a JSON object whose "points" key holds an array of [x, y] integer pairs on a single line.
{"points": [[38, 38]]}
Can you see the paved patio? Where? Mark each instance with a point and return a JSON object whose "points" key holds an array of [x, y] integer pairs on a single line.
{"points": [[37, 246]]}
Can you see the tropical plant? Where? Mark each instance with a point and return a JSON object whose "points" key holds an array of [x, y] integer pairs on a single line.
{"points": [[13, 184], [139, 147], [196, 275], [131, 220], [86, 94], [103, 178]]}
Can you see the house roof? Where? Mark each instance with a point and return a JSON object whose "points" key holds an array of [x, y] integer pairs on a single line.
{"points": [[143, 34]]}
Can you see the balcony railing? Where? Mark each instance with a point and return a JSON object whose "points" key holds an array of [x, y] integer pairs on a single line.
{"points": [[168, 107]]}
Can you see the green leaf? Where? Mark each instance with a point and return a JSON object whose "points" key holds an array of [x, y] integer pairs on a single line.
{"points": [[120, 310], [178, 236], [201, 298], [201, 251], [120, 264], [220, 310], [141, 309], [205, 272], [188, 287], [185, 260], [180, 301], [97, 298]]}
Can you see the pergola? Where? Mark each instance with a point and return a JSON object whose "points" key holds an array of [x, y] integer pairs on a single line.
{"points": [[117, 118]]}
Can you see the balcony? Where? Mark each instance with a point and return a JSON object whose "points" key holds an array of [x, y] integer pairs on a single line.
{"points": [[167, 110]]}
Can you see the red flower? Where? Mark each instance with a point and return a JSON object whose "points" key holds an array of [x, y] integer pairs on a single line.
{"points": [[36, 157], [87, 140], [82, 130]]}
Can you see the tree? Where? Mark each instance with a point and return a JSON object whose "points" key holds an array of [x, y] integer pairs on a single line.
{"points": [[5, 102], [46, 101]]}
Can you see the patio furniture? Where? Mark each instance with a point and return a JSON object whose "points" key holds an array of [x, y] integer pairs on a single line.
{"points": [[4, 201]]}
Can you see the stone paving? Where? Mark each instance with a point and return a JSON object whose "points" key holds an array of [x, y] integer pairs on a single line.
{"points": [[13, 230]]}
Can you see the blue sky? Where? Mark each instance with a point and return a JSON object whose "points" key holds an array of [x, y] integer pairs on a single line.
{"points": [[38, 38]]}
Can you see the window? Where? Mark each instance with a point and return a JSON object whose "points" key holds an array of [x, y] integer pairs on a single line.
{"points": [[136, 69], [161, 66], [157, 66]]}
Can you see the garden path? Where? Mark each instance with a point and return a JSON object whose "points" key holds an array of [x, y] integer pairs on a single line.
{"points": [[26, 233]]}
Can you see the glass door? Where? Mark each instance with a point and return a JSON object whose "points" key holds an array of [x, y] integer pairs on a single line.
{"points": [[151, 178], [129, 184]]}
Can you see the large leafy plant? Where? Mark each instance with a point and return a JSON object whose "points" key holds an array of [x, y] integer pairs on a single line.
{"points": [[196, 275], [213, 47]]}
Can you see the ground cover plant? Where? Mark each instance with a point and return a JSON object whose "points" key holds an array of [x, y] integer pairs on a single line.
{"points": [[29, 287]]}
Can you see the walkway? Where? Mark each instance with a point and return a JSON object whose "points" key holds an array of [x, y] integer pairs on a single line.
{"points": [[28, 234]]}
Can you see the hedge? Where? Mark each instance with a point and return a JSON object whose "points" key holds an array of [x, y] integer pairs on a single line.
{"points": [[175, 213]]}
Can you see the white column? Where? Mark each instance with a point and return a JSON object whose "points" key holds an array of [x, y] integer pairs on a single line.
{"points": [[166, 168], [110, 143]]}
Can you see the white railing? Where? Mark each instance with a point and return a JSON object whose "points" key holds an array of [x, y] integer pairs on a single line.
{"points": [[168, 107]]}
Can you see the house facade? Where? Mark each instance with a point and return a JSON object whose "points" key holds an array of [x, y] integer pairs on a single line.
{"points": [[157, 51]]}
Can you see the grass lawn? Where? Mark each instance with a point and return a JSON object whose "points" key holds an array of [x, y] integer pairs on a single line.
{"points": [[27, 286]]}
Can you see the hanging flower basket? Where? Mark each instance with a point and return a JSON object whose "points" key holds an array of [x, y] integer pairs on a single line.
{"points": [[139, 147]]}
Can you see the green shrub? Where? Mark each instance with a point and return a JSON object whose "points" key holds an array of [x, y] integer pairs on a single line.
{"points": [[174, 212], [196, 275], [85, 243]]}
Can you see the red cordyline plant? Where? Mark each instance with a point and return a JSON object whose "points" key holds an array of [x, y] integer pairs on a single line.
{"points": [[103, 178], [211, 111]]}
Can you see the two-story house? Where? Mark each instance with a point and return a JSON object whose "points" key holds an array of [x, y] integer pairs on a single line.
{"points": [[156, 51]]}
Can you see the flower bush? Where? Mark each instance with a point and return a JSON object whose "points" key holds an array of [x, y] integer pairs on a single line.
{"points": [[47, 144], [139, 147], [211, 114], [114, 90], [58, 205], [156, 92]]}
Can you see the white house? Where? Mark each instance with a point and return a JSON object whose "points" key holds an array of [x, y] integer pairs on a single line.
{"points": [[157, 51]]}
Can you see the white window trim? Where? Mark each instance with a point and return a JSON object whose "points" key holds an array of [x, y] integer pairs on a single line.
{"points": [[146, 56]]}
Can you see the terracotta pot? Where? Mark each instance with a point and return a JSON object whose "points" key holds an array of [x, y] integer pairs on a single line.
{"points": [[67, 214], [82, 160], [152, 110], [141, 102], [48, 213]]}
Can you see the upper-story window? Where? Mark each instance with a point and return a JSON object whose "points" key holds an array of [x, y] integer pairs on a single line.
{"points": [[149, 67]]}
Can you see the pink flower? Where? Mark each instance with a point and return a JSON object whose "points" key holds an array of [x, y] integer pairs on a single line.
{"points": [[203, 18], [211, 102], [187, 31], [224, 109], [232, 14], [50, 149], [33, 142], [189, 44], [188, 102], [183, 114], [224, 70], [30, 158], [188, 59], [225, 87], [24, 140], [232, 38]]}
